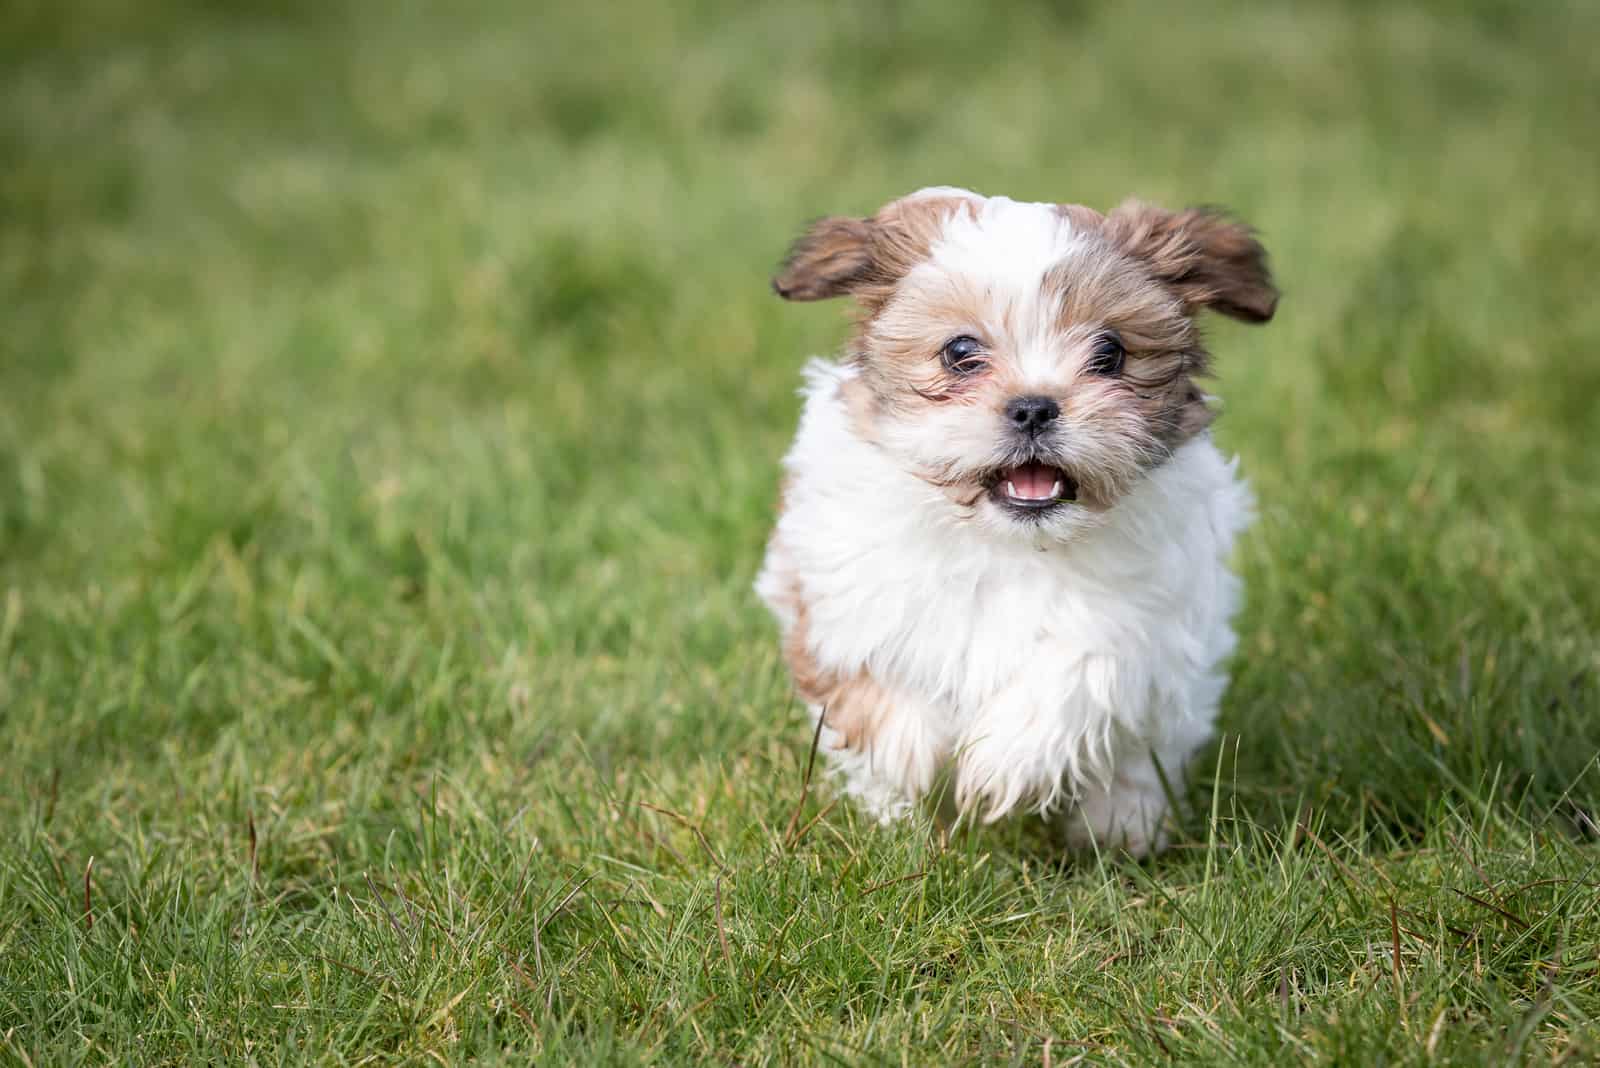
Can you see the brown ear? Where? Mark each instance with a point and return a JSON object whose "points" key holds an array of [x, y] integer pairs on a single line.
{"points": [[1211, 260], [826, 261]]}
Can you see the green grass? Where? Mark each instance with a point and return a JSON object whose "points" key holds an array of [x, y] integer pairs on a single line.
{"points": [[390, 408]]}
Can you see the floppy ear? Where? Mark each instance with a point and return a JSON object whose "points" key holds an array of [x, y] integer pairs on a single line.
{"points": [[1211, 260], [828, 260]]}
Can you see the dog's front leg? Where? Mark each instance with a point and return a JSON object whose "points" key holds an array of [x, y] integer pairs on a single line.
{"points": [[1071, 734], [1131, 810], [885, 745]]}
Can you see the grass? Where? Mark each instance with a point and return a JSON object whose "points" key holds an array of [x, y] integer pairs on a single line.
{"points": [[390, 406]]}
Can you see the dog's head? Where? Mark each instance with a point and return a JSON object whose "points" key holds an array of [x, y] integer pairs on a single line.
{"points": [[1033, 360]]}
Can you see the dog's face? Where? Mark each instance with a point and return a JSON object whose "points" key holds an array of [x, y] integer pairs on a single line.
{"points": [[1032, 360]]}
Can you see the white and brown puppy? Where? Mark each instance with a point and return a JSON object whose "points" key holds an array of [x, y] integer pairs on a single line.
{"points": [[1004, 533]]}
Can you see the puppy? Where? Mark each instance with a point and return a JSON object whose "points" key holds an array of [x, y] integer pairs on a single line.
{"points": [[1004, 529]]}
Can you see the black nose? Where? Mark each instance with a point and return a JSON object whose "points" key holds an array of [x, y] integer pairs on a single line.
{"points": [[1032, 414]]}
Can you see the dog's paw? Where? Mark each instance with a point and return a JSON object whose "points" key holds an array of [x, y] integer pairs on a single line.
{"points": [[1131, 817]]}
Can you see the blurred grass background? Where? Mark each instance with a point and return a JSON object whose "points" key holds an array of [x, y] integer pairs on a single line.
{"points": [[390, 407]]}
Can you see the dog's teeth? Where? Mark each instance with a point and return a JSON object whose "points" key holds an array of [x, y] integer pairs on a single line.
{"points": [[1011, 489], [1055, 488]]}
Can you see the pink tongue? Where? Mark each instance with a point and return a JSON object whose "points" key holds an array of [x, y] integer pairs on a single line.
{"points": [[1033, 480]]}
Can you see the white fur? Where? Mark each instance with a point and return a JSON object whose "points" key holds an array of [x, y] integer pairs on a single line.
{"points": [[1046, 672], [1009, 245]]}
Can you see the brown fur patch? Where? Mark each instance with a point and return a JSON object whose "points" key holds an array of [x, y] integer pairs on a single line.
{"points": [[826, 260], [1204, 258], [865, 258], [854, 705], [1211, 260], [1107, 289], [905, 338]]}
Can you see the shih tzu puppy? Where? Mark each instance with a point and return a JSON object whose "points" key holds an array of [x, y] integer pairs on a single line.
{"points": [[1004, 529]]}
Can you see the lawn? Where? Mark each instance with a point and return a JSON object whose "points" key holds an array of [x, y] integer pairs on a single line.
{"points": [[391, 402]]}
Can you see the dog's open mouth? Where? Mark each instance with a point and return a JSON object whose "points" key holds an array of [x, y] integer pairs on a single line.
{"points": [[1033, 487]]}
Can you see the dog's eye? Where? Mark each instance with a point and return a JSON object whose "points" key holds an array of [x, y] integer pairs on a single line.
{"points": [[963, 355], [1107, 356]]}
